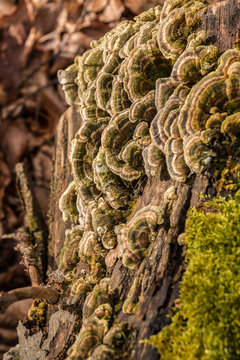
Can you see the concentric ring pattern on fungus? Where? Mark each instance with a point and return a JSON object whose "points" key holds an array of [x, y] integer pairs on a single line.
{"points": [[150, 92]]}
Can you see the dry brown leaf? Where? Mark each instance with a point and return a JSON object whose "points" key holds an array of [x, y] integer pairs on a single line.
{"points": [[7, 7], [11, 50], [96, 5], [212, 2], [18, 31], [9, 322], [74, 8], [9, 334], [47, 17], [52, 40], [14, 109], [16, 140], [112, 11], [29, 45], [138, 6], [96, 29], [87, 21], [135, 6], [50, 102], [75, 44], [38, 3]]}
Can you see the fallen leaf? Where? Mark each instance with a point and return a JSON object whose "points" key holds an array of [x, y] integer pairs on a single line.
{"points": [[7, 7], [75, 44], [135, 6], [74, 8], [18, 31], [51, 105], [47, 17], [11, 47], [19, 309], [112, 11], [138, 6], [96, 5], [16, 140], [29, 45]]}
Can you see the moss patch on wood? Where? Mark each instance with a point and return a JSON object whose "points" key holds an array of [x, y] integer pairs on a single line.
{"points": [[207, 319]]}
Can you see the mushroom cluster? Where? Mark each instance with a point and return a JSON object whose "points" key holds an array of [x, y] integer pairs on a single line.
{"points": [[96, 337], [135, 238], [150, 92]]}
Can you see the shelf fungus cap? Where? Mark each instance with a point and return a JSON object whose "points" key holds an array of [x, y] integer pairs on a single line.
{"points": [[90, 336], [79, 289], [208, 92], [170, 194], [197, 154], [193, 63], [169, 6], [135, 238], [175, 161], [153, 159], [164, 89], [69, 252], [143, 109], [90, 245], [116, 336], [102, 352], [67, 79], [68, 205], [97, 297], [165, 123], [145, 65], [177, 26], [231, 126]]}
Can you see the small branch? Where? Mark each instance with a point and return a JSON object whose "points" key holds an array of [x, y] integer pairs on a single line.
{"points": [[47, 293], [36, 247], [27, 248]]}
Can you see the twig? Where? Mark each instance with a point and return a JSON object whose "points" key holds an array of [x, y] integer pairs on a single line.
{"points": [[37, 227], [7, 299]]}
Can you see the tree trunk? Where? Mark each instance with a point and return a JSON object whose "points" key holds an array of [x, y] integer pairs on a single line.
{"points": [[160, 272]]}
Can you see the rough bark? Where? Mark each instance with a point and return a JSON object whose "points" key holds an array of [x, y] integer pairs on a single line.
{"points": [[162, 269], [68, 124]]}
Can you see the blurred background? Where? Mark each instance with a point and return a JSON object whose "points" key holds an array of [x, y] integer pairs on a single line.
{"points": [[37, 38]]}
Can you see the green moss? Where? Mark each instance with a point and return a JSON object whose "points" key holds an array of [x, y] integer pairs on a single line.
{"points": [[38, 311], [207, 321]]}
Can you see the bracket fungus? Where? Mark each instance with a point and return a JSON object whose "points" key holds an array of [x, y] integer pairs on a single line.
{"points": [[68, 203], [79, 289], [177, 26], [97, 313], [150, 92], [135, 238], [69, 252]]}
